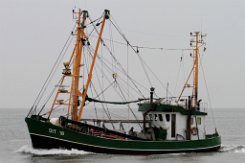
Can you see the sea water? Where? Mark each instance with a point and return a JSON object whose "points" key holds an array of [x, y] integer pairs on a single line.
{"points": [[15, 144]]}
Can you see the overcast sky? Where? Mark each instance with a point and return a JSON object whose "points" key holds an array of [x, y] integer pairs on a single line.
{"points": [[32, 33]]}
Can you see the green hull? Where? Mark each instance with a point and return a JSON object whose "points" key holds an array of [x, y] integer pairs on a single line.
{"points": [[46, 135]]}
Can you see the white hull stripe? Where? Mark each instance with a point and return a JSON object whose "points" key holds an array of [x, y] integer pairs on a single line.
{"points": [[129, 149]]}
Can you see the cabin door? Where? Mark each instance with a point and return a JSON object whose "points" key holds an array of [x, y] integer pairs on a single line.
{"points": [[173, 125]]}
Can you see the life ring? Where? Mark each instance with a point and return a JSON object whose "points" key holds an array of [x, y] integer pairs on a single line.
{"points": [[194, 131]]}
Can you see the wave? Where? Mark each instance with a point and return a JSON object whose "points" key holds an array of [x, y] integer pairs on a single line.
{"points": [[44, 152], [65, 152], [233, 148]]}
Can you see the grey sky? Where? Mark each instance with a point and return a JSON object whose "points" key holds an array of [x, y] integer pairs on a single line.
{"points": [[32, 33]]}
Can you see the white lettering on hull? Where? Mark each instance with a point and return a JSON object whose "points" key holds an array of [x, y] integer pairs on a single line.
{"points": [[54, 131]]}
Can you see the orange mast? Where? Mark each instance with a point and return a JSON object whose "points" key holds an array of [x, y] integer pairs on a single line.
{"points": [[197, 41], [77, 63], [75, 93], [195, 72], [106, 16]]}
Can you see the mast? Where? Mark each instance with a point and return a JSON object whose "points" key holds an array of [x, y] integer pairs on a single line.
{"points": [[195, 81], [84, 94], [76, 58], [77, 62], [197, 41], [192, 101]]}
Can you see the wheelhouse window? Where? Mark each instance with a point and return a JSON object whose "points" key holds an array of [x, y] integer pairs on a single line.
{"points": [[160, 117], [155, 117], [199, 120], [167, 117]]}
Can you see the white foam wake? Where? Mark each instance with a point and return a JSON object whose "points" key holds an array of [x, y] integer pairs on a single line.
{"points": [[43, 152], [240, 149], [233, 148]]}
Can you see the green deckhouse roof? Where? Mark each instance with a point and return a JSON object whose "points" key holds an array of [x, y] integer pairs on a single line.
{"points": [[167, 108]]}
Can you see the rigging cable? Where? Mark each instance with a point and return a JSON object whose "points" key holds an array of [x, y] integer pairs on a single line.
{"points": [[142, 61], [102, 104], [125, 73], [102, 87], [209, 99], [121, 97], [50, 76], [148, 47], [127, 82], [110, 70], [52, 92], [178, 74], [129, 106], [120, 88], [105, 110], [136, 51]]}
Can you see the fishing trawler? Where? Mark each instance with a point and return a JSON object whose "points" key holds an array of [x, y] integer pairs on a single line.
{"points": [[164, 126]]}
